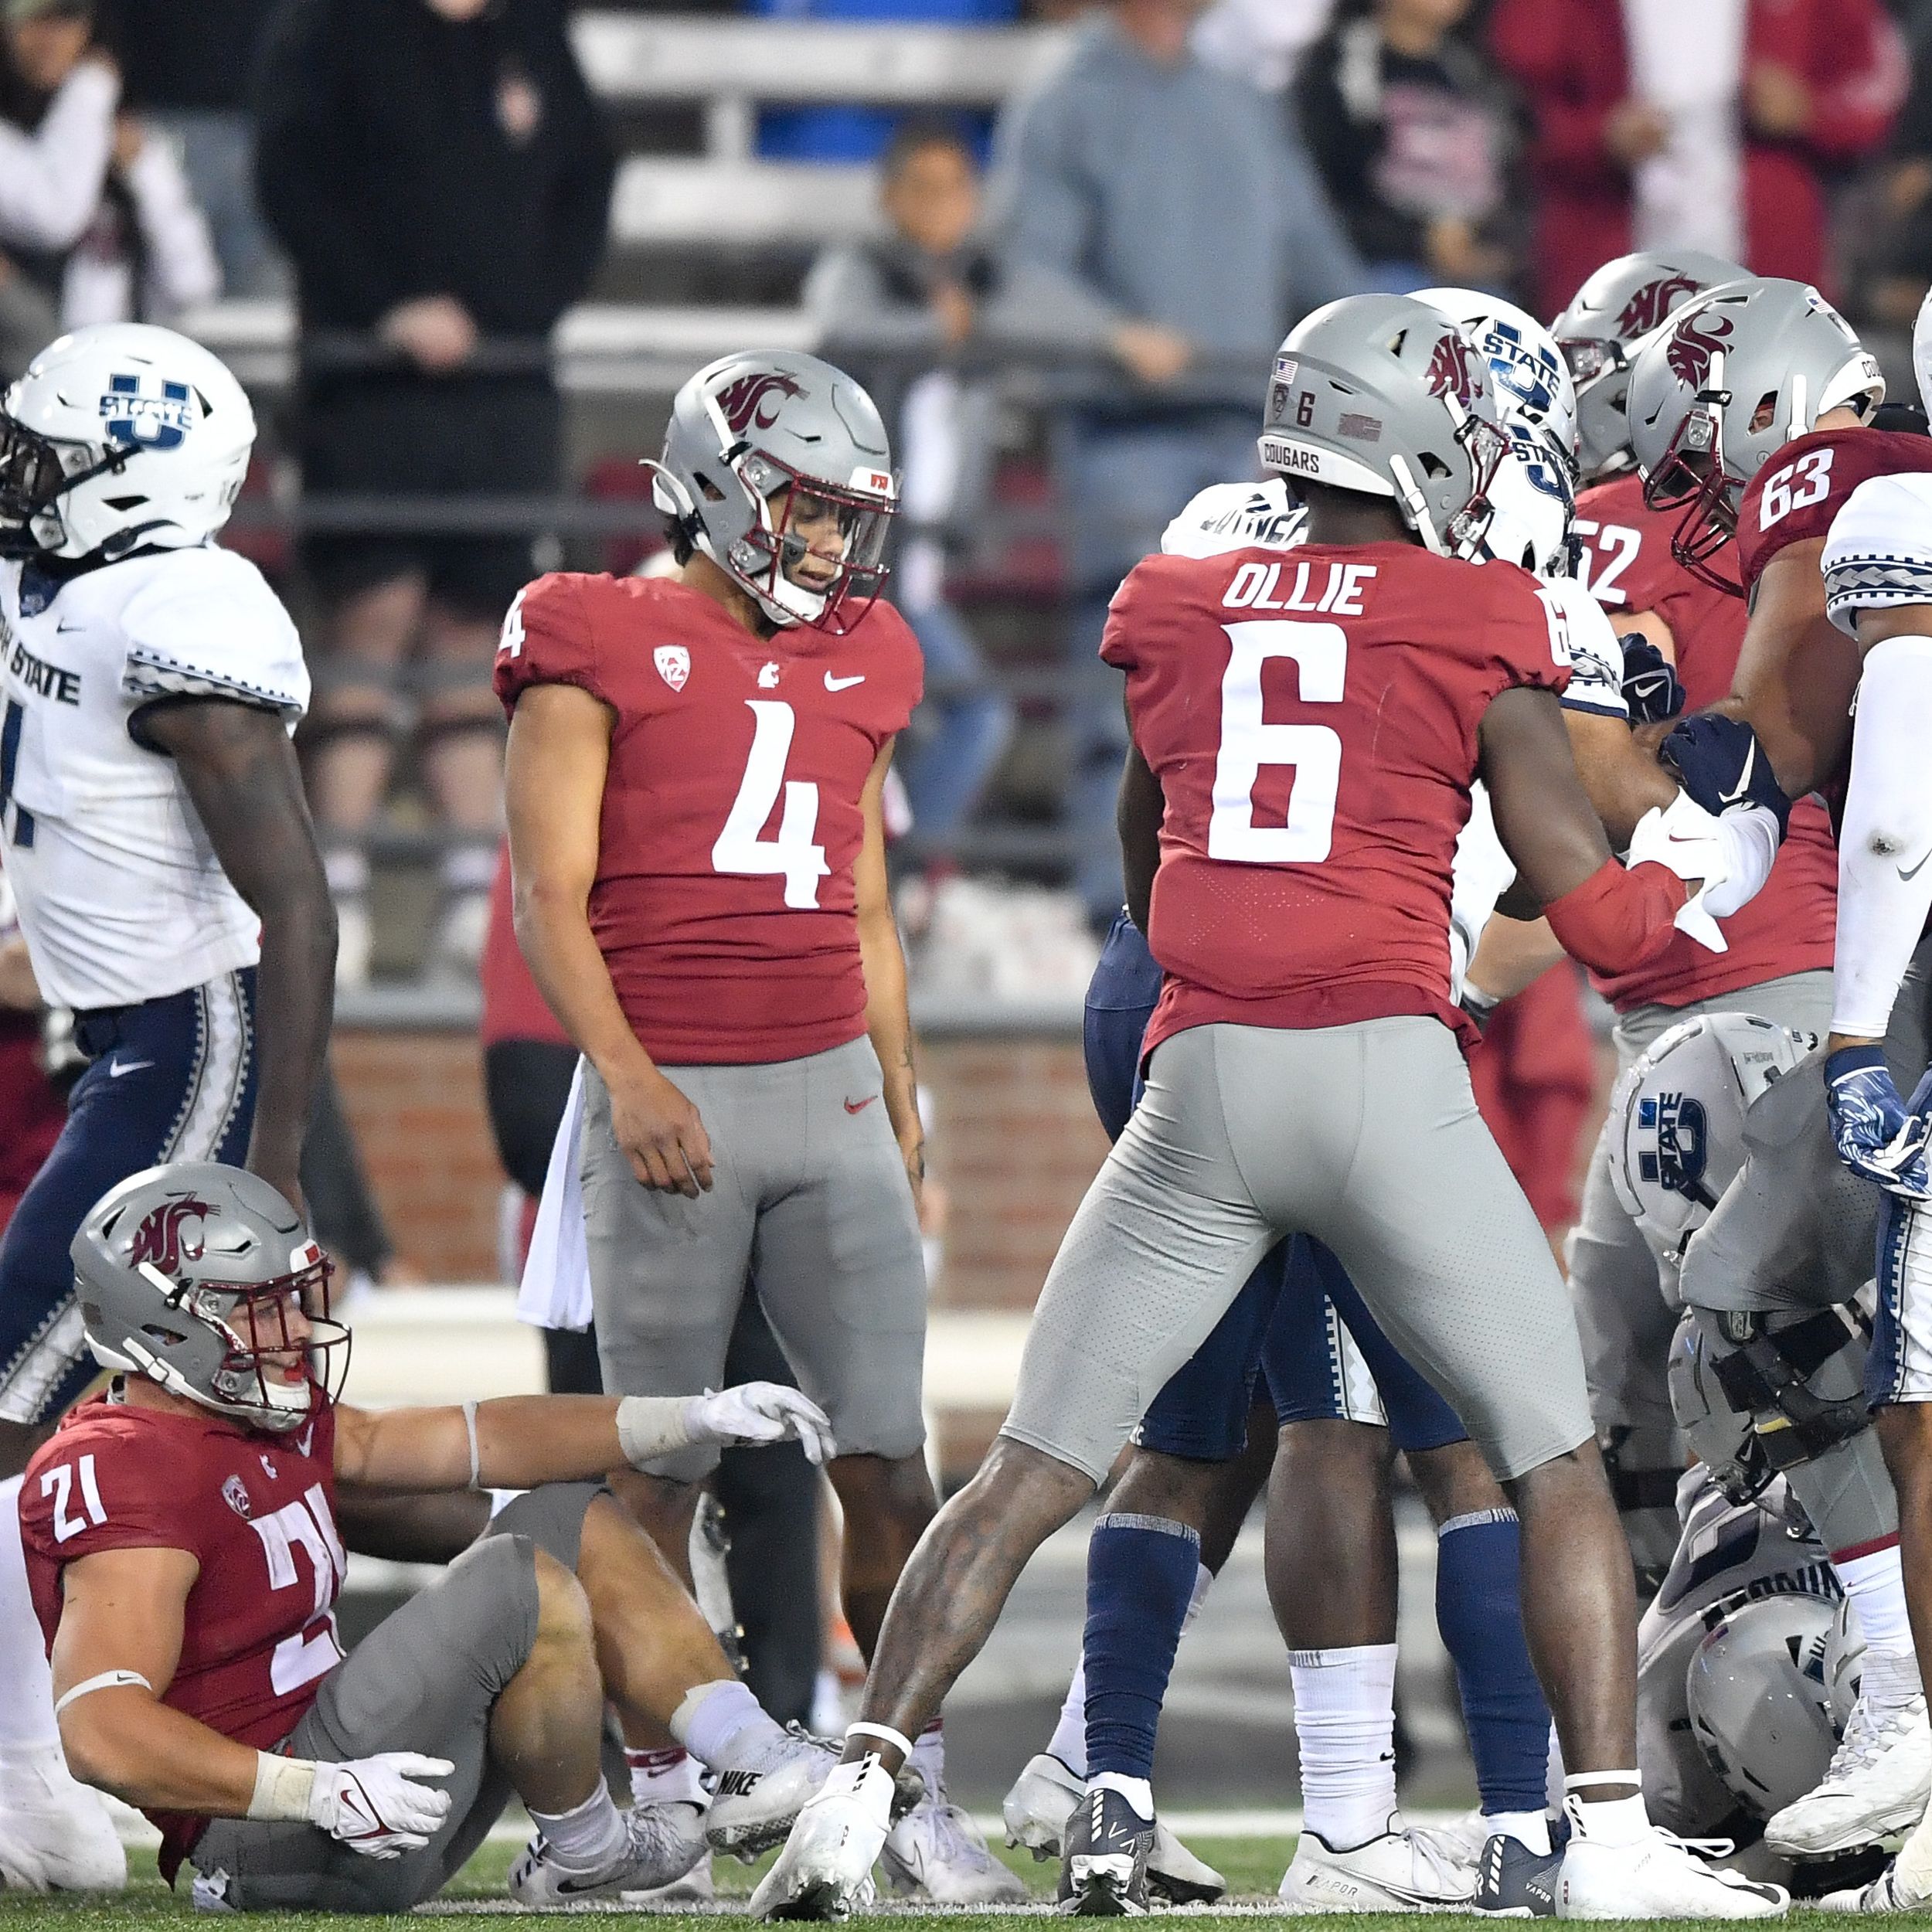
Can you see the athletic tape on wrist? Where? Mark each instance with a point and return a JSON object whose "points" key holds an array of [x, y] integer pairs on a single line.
{"points": [[652, 1425], [476, 1458], [884, 1733], [284, 1787], [107, 1680]]}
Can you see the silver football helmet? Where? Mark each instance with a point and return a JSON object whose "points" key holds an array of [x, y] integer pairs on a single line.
{"points": [[189, 1275], [1759, 1708], [1608, 321], [1738, 373], [1843, 1663], [1383, 395], [777, 467]]}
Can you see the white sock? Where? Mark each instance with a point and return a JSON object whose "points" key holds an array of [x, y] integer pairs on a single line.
{"points": [[26, 1685], [1530, 1828], [929, 1759], [1612, 1821], [721, 1719], [1344, 1722], [668, 1776], [1137, 1791], [586, 1837], [1876, 1584]]}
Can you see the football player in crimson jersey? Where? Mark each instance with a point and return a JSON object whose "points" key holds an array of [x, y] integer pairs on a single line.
{"points": [[696, 771], [1749, 420], [1307, 728], [185, 1559]]}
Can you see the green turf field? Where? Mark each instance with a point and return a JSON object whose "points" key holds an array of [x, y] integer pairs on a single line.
{"points": [[1252, 1866]]}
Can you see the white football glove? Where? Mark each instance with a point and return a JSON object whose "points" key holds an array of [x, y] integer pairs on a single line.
{"points": [[1687, 840], [761, 1412], [376, 1805]]}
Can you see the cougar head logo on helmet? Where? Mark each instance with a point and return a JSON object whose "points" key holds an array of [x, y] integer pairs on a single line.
{"points": [[1650, 305], [1455, 369], [162, 1237], [777, 469], [1692, 348], [203, 1279]]}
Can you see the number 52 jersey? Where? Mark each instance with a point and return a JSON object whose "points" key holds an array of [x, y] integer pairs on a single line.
{"points": [[724, 902], [1312, 717]]}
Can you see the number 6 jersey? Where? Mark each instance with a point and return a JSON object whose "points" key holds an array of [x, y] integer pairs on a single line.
{"points": [[1312, 718], [724, 903]]}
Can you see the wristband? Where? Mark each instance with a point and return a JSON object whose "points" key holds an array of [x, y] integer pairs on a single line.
{"points": [[885, 1735], [652, 1426], [283, 1789]]}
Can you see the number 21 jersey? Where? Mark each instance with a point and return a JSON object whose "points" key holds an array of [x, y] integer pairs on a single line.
{"points": [[724, 902], [1312, 720]]}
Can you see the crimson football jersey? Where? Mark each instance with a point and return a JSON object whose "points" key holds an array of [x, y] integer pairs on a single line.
{"points": [[1798, 493], [1789, 926], [724, 903], [258, 1513], [1312, 720]]}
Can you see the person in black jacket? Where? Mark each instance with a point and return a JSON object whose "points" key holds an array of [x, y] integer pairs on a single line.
{"points": [[438, 175]]}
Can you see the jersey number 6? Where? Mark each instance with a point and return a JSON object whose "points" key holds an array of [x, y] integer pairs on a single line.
{"points": [[1248, 743]]}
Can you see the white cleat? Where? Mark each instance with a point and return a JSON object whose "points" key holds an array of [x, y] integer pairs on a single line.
{"points": [[759, 1798], [1880, 1782], [826, 1868], [935, 1852], [55, 1833], [1657, 1876], [1042, 1801], [1887, 1892], [696, 1888], [661, 1843], [1401, 1871]]}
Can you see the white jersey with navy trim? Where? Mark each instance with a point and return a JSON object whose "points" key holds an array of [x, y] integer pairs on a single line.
{"points": [[121, 898], [1878, 553]]}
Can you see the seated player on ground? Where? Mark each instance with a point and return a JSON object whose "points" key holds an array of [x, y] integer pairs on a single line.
{"points": [[184, 1558]]}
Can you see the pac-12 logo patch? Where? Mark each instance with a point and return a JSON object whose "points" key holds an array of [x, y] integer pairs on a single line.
{"points": [[141, 414], [234, 1492], [674, 664]]}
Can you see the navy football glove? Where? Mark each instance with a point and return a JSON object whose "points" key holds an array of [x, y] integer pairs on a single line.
{"points": [[1874, 1135], [1721, 764], [1651, 688]]}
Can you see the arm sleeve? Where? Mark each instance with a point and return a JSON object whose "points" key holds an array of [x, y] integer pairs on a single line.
{"points": [[548, 639], [1884, 881], [50, 180], [1878, 556], [208, 627]]}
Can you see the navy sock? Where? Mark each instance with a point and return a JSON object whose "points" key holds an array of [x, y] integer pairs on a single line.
{"points": [[1140, 1575], [1479, 1611]]}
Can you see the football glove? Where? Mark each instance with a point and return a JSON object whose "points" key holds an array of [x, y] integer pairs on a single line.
{"points": [[1720, 764], [1651, 688], [761, 1412], [1875, 1134], [378, 1805]]}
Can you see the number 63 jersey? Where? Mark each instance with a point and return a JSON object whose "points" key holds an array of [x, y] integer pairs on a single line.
{"points": [[1312, 718], [724, 902]]}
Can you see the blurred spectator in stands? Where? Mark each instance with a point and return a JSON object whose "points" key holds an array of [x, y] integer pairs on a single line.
{"points": [[1712, 125], [1175, 219], [1896, 257], [1413, 137], [1263, 41], [57, 99], [441, 181], [33, 1107], [894, 306], [187, 67]]}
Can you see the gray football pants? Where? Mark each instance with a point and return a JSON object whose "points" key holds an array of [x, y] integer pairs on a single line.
{"points": [[1365, 1136]]}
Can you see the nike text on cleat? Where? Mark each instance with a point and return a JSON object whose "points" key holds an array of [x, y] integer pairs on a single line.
{"points": [[1513, 1882], [757, 1801], [1878, 1782], [1655, 1876], [935, 1852], [842, 684], [825, 1868], [1103, 1870], [1401, 1871]]}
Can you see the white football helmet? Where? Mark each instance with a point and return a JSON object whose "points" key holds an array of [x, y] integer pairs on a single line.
{"points": [[118, 437], [1535, 497], [1677, 1119], [1759, 1708], [1843, 1663]]}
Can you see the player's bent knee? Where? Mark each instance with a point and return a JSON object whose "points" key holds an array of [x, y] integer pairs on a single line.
{"points": [[563, 1610]]}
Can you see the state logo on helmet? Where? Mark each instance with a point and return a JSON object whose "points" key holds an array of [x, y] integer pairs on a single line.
{"points": [[203, 1279], [120, 437], [1738, 373], [777, 467], [1677, 1119], [1608, 321]]}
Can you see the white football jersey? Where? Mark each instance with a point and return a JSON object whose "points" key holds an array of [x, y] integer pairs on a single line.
{"points": [[121, 896], [1728, 1555], [1879, 554]]}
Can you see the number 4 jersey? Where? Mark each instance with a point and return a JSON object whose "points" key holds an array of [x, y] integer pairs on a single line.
{"points": [[256, 1511], [724, 903], [1312, 718]]}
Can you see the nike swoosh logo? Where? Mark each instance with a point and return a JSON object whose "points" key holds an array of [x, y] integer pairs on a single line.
{"points": [[1909, 876], [842, 684], [1744, 777], [117, 1068], [859, 1107]]}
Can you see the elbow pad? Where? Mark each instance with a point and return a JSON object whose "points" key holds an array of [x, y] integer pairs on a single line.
{"points": [[1616, 920], [1885, 884]]}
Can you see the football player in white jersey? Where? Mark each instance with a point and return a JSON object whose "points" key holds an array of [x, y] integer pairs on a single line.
{"points": [[168, 885]]}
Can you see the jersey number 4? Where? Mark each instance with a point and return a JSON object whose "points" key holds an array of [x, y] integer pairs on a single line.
{"points": [[792, 854], [1249, 744]]}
